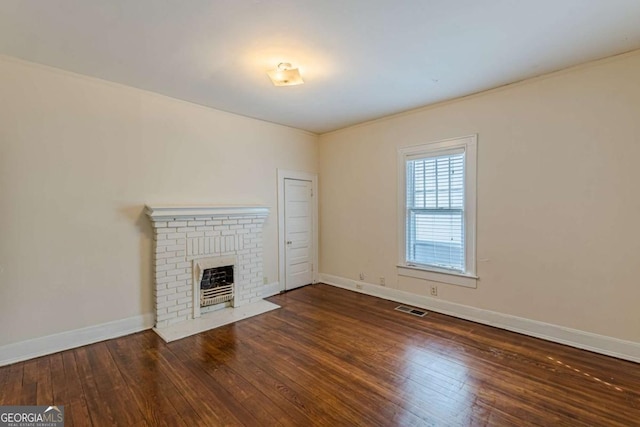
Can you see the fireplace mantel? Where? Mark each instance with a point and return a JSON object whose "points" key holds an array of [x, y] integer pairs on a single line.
{"points": [[167, 212]]}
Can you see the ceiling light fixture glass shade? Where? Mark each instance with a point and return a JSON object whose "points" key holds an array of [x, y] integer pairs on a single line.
{"points": [[285, 75]]}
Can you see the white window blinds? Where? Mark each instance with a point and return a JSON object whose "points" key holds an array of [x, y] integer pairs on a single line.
{"points": [[435, 210]]}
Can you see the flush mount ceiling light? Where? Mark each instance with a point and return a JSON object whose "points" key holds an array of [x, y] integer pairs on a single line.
{"points": [[285, 75]]}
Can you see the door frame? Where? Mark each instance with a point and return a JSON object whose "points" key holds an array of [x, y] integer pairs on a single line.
{"points": [[302, 176]]}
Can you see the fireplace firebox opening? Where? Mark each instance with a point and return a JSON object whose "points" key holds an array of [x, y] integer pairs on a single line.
{"points": [[216, 285]]}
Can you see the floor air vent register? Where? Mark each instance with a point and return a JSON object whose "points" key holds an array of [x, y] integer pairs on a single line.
{"points": [[411, 310]]}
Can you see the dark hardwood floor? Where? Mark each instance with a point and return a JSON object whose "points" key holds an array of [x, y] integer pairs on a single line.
{"points": [[331, 357]]}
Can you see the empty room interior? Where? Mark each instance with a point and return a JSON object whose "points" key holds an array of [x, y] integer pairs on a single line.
{"points": [[320, 213]]}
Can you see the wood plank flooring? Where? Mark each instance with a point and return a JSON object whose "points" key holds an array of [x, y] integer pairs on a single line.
{"points": [[336, 358]]}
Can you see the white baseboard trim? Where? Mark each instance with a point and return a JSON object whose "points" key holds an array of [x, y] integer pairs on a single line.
{"points": [[628, 350], [271, 289], [29, 349]]}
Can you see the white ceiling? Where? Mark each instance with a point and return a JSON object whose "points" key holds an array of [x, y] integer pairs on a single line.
{"points": [[361, 59]]}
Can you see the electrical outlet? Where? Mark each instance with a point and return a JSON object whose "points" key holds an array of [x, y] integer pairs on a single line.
{"points": [[361, 276], [434, 291], [358, 286], [382, 281], [265, 280]]}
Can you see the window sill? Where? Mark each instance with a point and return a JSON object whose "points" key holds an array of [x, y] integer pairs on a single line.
{"points": [[442, 276]]}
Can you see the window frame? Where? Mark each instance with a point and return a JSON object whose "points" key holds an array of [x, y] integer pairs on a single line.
{"points": [[467, 278]]}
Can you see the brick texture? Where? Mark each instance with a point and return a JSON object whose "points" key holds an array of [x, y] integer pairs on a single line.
{"points": [[178, 241]]}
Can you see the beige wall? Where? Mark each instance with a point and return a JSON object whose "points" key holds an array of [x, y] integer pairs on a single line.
{"points": [[558, 197], [557, 194], [79, 158]]}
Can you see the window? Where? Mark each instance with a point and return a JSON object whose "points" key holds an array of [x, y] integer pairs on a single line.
{"points": [[437, 208]]}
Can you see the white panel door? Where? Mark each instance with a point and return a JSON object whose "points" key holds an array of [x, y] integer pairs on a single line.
{"points": [[298, 233]]}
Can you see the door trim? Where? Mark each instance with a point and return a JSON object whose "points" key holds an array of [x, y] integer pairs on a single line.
{"points": [[302, 176]]}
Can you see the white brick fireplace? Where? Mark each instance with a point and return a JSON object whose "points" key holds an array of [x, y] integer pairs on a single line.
{"points": [[189, 239]]}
